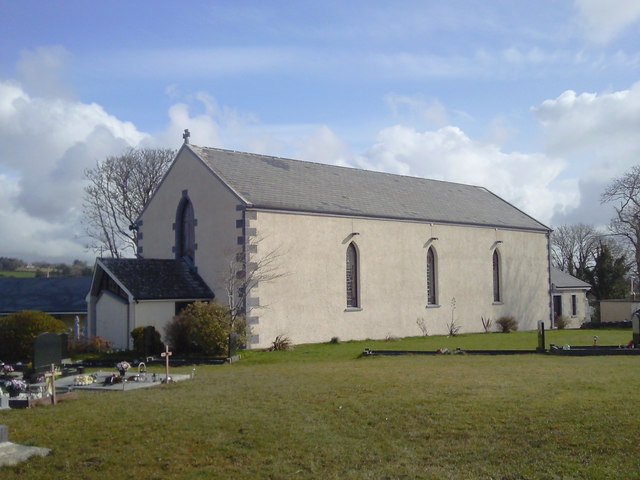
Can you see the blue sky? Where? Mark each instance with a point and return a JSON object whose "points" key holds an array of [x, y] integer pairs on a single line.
{"points": [[538, 101]]}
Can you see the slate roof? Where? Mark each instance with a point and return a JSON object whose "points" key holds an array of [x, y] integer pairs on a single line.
{"points": [[561, 279], [156, 279], [55, 295], [282, 184]]}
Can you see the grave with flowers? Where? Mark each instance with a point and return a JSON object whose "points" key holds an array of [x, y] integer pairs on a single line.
{"points": [[16, 391]]}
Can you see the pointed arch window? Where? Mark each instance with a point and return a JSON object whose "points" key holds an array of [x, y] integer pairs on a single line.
{"points": [[497, 294], [185, 230], [432, 298], [352, 277]]}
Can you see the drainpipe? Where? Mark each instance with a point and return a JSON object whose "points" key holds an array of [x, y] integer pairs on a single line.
{"points": [[550, 294]]}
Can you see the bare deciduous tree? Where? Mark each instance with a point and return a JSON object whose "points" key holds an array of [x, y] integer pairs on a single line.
{"points": [[573, 247], [246, 272], [624, 193], [119, 187]]}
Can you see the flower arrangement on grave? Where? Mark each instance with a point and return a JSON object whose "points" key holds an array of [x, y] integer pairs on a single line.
{"points": [[83, 380], [122, 367], [15, 387], [5, 370]]}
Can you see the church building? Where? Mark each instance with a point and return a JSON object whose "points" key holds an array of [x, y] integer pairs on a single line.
{"points": [[331, 251]]}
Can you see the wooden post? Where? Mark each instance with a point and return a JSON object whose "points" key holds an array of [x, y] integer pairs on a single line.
{"points": [[166, 354], [635, 323]]}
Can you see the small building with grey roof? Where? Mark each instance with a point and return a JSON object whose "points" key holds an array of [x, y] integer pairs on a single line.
{"points": [[569, 298], [316, 251]]}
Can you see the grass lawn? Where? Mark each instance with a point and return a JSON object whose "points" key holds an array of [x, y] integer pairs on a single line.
{"points": [[321, 412], [17, 273]]}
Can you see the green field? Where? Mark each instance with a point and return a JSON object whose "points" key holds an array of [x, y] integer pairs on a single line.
{"points": [[17, 273], [321, 412]]}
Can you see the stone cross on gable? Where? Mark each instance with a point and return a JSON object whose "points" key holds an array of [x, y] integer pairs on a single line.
{"points": [[186, 135], [166, 354]]}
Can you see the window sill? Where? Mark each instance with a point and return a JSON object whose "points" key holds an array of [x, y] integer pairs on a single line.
{"points": [[498, 303], [353, 309], [432, 305]]}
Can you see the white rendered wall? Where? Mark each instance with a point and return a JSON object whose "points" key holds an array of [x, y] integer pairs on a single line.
{"points": [[154, 313], [216, 232], [309, 303], [574, 321], [617, 310], [111, 320]]}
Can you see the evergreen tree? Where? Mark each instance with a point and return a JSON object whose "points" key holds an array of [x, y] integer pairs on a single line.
{"points": [[608, 276]]}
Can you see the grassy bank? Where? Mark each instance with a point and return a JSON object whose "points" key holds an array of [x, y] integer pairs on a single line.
{"points": [[321, 412], [17, 273]]}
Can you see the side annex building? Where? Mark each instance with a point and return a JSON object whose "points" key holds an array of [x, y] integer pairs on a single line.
{"points": [[358, 254]]}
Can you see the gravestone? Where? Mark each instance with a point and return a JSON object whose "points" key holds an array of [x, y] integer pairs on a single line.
{"points": [[635, 324], [148, 340], [541, 343], [233, 343], [49, 348], [4, 433]]}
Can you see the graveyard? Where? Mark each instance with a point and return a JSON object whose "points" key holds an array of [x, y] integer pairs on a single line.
{"points": [[327, 411]]}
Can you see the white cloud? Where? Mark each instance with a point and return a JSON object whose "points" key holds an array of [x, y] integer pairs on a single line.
{"points": [[603, 20], [204, 128], [415, 109], [511, 62], [601, 128], [42, 71], [449, 154], [47, 140], [324, 146], [39, 138], [31, 238], [193, 63]]}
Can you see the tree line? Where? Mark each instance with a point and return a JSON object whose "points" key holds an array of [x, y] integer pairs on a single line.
{"points": [[608, 259], [78, 268]]}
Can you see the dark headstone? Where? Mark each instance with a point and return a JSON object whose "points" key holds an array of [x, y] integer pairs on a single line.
{"points": [[635, 326], [541, 343], [49, 348], [149, 337]]}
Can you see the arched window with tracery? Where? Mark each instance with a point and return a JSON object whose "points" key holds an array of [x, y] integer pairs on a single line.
{"points": [[432, 298], [497, 294], [352, 277]]}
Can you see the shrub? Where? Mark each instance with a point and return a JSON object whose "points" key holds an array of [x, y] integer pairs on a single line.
{"points": [[88, 345], [507, 324], [203, 328], [453, 328], [561, 322], [334, 340], [281, 343], [176, 333], [137, 334], [19, 330]]}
